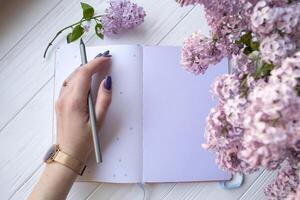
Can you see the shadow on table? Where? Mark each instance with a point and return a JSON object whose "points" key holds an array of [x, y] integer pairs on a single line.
{"points": [[12, 10]]}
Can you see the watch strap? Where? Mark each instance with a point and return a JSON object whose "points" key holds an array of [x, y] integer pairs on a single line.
{"points": [[70, 162]]}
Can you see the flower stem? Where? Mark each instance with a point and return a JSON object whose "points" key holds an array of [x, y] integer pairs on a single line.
{"points": [[65, 28]]}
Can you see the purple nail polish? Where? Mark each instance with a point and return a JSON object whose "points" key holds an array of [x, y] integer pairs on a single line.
{"points": [[106, 53], [108, 83], [99, 55]]}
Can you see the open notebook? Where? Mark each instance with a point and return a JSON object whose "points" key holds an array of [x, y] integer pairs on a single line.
{"points": [[155, 125]]}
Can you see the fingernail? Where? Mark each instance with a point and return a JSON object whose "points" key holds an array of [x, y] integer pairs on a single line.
{"points": [[99, 55], [106, 53], [107, 83]]}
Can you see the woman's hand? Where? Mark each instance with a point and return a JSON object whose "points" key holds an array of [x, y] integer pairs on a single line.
{"points": [[73, 127]]}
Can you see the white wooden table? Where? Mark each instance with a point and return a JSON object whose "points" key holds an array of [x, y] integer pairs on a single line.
{"points": [[26, 88]]}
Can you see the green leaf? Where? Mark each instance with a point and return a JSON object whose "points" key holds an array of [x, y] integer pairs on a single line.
{"points": [[98, 30], [254, 45], [247, 50], [243, 86], [224, 131], [238, 42], [75, 34], [263, 71], [274, 121], [246, 38], [297, 88], [87, 11]]}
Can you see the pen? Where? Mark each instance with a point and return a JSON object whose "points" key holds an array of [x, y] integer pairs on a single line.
{"points": [[91, 110]]}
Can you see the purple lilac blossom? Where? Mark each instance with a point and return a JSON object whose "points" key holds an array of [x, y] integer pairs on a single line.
{"points": [[198, 52], [225, 87], [120, 16], [268, 17], [271, 124], [286, 182], [256, 123], [227, 20], [274, 48], [222, 138]]}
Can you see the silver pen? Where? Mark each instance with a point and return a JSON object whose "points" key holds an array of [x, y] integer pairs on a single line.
{"points": [[96, 141]]}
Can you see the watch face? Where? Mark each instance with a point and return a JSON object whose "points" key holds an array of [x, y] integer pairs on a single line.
{"points": [[50, 153]]}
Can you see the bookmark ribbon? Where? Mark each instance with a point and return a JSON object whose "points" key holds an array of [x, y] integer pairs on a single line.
{"points": [[236, 181], [142, 186]]}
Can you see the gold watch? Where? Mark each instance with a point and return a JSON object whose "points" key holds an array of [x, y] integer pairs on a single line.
{"points": [[54, 154]]}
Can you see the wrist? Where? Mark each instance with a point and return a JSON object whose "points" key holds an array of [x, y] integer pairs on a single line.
{"points": [[57, 155], [80, 153], [60, 170]]}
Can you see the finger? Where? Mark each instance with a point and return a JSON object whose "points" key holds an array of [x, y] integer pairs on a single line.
{"points": [[103, 100], [96, 64], [82, 79]]}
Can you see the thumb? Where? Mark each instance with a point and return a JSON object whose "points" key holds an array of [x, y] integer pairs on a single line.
{"points": [[103, 100]]}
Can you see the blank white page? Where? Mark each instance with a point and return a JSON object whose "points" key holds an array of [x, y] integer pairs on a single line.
{"points": [[175, 106], [121, 136]]}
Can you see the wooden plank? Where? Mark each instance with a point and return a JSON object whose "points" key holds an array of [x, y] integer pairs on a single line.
{"points": [[194, 21], [24, 71], [78, 191], [132, 191], [185, 191], [158, 191], [24, 142], [256, 190], [17, 18], [213, 191], [117, 191], [82, 190], [24, 191]]}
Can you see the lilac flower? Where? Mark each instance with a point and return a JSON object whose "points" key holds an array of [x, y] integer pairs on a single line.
{"points": [[122, 15], [271, 124], [274, 48], [198, 52], [289, 19], [269, 17], [286, 182], [257, 120], [263, 17], [222, 138], [227, 20], [242, 64], [266, 137], [225, 87], [86, 26], [293, 195], [289, 73], [234, 110], [224, 131]]}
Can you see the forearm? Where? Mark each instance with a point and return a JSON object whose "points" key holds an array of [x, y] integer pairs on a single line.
{"points": [[55, 183]]}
